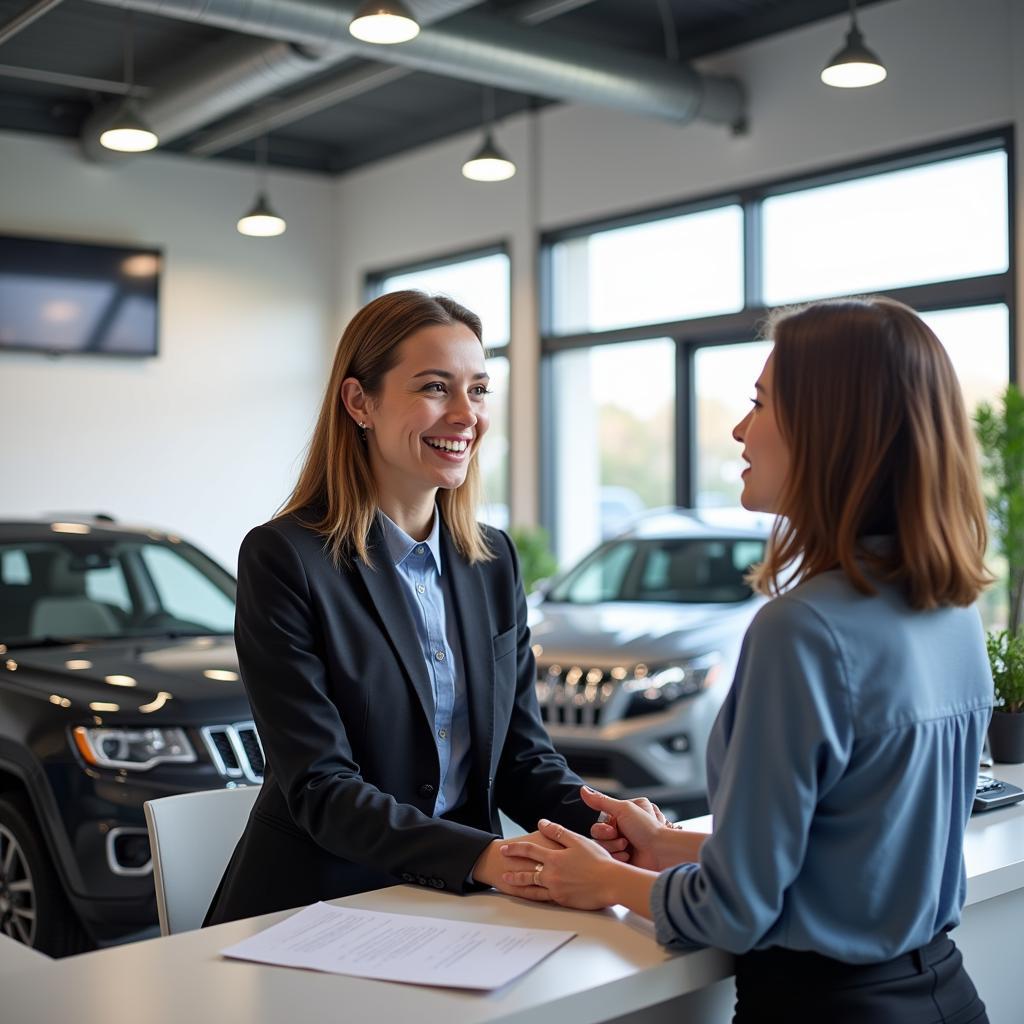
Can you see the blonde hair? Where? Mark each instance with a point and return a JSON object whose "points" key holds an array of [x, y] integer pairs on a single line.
{"points": [[336, 490], [871, 411]]}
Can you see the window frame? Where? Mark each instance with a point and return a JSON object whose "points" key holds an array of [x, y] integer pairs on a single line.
{"points": [[732, 328]]}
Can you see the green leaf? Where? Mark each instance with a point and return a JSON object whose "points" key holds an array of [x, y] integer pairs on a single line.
{"points": [[1006, 656], [1000, 433], [535, 558]]}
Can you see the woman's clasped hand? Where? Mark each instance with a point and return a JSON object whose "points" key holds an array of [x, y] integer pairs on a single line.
{"points": [[513, 872], [630, 845]]}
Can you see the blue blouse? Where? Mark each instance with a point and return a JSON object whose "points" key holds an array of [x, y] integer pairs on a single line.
{"points": [[425, 587], [841, 773]]}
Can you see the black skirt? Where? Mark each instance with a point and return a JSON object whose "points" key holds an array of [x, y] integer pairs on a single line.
{"points": [[926, 986]]}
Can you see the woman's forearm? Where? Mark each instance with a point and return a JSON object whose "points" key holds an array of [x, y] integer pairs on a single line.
{"points": [[679, 846], [628, 886]]}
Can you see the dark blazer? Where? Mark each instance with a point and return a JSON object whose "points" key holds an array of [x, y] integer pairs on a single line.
{"points": [[343, 704]]}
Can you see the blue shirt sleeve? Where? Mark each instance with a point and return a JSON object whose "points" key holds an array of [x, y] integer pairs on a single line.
{"points": [[781, 741]]}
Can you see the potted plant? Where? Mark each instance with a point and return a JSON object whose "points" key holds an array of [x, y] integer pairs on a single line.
{"points": [[1006, 734], [1001, 436]]}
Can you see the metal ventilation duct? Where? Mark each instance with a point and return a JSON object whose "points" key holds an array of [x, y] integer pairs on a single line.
{"points": [[487, 49], [238, 71], [340, 88]]}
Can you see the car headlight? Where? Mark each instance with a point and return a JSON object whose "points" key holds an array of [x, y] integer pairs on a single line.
{"points": [[135, 749], [663, 687]]}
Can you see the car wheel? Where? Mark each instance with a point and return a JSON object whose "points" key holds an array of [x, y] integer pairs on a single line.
{"points": [[33, 907]]}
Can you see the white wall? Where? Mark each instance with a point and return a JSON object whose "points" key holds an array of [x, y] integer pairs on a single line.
{"points": [[202, 440], [951, 72]]}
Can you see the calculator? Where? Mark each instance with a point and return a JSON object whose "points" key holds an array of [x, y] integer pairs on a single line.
{"points": [[991, 793]]}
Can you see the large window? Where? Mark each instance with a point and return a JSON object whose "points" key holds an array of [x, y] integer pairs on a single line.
{"points": [[480, 282], [652, 420]]}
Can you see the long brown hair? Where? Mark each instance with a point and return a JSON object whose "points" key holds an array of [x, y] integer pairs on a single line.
{"points": [[871, 411], [336, 491]]}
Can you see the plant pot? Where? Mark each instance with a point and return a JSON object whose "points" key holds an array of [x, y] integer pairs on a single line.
{"points": [[1006, 737]]}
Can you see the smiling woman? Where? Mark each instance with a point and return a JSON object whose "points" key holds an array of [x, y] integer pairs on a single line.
{"points": [[382, 639], [423, 426]]}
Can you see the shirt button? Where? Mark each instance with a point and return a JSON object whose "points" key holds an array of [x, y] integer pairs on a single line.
{"points": [[419, 550], [442, 733], [439, 655], [420, 589]]}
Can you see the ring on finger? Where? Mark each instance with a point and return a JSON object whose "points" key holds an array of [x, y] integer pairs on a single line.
{"points": [[537, 869]]}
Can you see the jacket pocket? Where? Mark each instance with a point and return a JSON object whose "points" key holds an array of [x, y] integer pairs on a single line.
{"points": [[504, 643]]}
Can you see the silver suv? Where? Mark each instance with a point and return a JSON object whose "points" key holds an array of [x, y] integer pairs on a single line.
{"points": [[636, 647]]}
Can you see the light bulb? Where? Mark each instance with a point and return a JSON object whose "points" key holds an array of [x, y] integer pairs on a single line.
{"points": [[384, 23]]}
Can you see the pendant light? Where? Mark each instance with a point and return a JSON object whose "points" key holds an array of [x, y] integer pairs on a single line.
{"points": [[854, 66], [128, 133], [261, 221], [384, 23], [488, 163]]}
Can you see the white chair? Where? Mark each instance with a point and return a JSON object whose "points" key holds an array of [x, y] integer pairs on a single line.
{"points": [[192, 837]]}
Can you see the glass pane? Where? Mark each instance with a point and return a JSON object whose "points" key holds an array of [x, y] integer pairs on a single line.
{"points": [[724, 378], [494, 450], [83, 587], [694, 572], [672, 570], [108, 586], [664, 270], [186, 595], [932, 223], [480, 284], [599, 578], [978, 343], [612, 427]]}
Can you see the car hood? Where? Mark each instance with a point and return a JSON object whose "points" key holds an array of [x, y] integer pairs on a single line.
{"points": [[612, 634], [185, 678]]}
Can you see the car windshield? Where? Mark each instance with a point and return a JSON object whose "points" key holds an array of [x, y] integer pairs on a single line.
{"points": [[78, 588], [676, 570]]}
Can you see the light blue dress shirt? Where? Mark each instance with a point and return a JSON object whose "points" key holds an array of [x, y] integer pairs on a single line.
{"points": [[841, 773], [420, 571]]}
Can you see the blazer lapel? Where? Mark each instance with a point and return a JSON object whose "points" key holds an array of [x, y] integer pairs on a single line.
{"points": [[386, 593], [471, 609]]}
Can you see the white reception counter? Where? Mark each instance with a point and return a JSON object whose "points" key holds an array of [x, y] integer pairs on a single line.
{"points": [[612, 969]]}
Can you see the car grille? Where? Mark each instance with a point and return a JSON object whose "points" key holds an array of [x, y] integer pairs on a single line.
{"points": [[576, 697], [235, 750]]}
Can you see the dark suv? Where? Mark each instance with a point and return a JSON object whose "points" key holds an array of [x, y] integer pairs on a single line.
{"points": [[118, 684]]}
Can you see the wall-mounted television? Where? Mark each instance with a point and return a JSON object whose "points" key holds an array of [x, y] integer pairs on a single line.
{"points": [[72, 298]]}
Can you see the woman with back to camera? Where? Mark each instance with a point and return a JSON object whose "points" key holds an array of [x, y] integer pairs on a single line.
{"points": [[382, 638], [843, 763]]}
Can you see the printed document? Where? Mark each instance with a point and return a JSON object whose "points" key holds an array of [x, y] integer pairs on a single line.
{"points": [[400, 947]]}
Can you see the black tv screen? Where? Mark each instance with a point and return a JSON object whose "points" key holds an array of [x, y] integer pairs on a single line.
{"points": [[68, 297]]}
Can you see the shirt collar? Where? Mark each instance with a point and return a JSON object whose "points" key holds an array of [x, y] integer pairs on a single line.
{"points": [[401, 545]]}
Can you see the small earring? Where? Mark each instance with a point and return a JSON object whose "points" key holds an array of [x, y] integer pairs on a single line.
{"points": [[362, 430]]}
